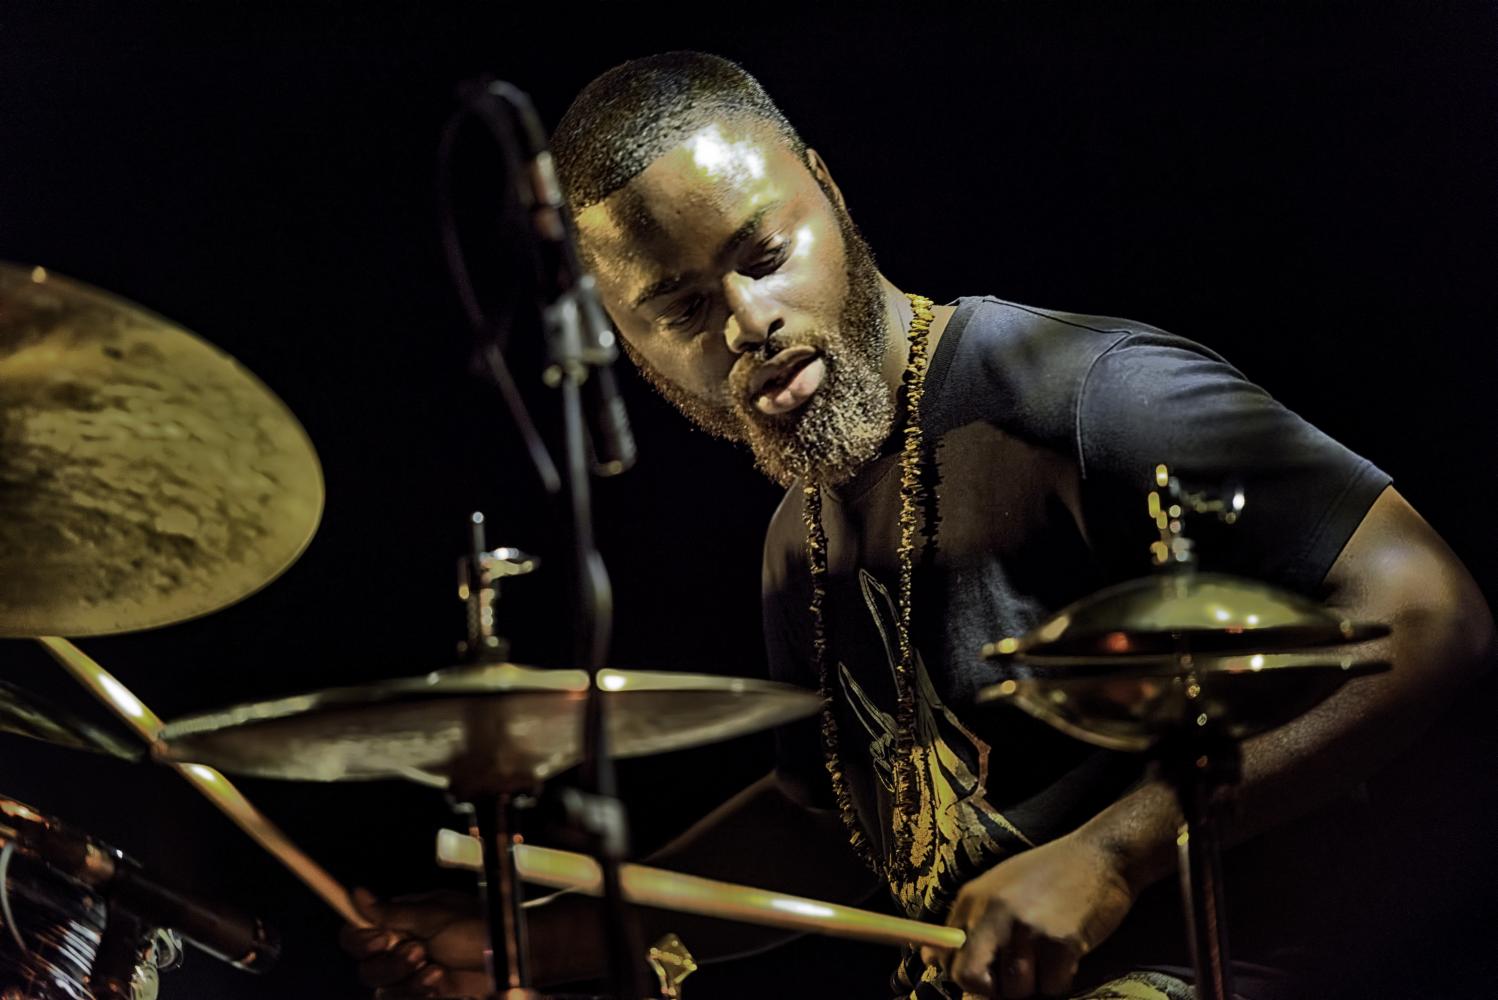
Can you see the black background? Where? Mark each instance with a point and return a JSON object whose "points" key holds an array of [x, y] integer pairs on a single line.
{"points": [[1309, 190]]}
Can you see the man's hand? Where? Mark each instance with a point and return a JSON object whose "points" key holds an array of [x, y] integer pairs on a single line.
{"points": [[420, 946], [1031, 918]]}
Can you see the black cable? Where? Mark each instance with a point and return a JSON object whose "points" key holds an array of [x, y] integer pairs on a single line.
{"points": [[489, 334]]}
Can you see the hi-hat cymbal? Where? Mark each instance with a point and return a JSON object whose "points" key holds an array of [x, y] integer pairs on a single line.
{"points": [[1133, 664], [477, 729], [145, 477], [1167, 612], [1134, 704]]}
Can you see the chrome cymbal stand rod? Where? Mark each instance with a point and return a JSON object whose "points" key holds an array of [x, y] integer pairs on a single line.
{"points": [[494, 826], [600, 815], [1202, 767], [493, 818]]}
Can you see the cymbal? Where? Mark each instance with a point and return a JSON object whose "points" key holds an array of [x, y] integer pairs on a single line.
{"points": [[1135, 704], [478, 729], [1135, 663], [25, 714], [145, 477], [1167, 612]]}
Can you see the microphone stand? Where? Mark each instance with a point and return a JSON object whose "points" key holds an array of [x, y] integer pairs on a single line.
{"points": [[578, 346], [597, 813]]}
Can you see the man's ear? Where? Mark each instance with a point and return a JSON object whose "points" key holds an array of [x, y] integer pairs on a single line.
{"points": [[823, 177]]}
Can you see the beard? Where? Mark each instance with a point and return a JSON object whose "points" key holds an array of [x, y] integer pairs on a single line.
{"points": [[843, 426]]}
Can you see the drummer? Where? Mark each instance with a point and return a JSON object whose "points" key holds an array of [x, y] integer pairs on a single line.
{"points": [[1019, 442]]}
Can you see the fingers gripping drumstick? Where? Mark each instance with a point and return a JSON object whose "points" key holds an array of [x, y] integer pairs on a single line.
{"points": [[213, 785]]}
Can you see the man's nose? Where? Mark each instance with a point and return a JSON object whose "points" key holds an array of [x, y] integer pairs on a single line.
{"points": [[752, 315]]}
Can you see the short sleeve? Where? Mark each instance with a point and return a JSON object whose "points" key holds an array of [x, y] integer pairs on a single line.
{"points": [[1154, 398], [786, 607]]}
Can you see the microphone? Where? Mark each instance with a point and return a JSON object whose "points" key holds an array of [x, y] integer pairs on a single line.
{"points": [[243, 941], [568, 288]]}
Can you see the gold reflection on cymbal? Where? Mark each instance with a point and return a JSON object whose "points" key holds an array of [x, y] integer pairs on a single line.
{"points": [[145, 476]]}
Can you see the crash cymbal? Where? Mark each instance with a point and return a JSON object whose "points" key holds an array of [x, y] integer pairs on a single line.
{"points": [[477, 728], [145, 477]]}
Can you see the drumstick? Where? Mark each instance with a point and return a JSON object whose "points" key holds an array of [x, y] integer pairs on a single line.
{"points": [[707, 897], [213, 785]]}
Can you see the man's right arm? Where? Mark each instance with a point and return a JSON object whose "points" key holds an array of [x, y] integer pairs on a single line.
{"points": [[760, 837]]}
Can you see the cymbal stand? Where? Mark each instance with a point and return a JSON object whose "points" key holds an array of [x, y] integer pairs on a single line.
{"points": [[494, 818], [592, 622], [1200, 762], [1202, 766]]}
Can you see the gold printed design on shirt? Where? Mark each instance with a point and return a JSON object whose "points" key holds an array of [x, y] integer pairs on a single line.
{"points": [[956, 831]]}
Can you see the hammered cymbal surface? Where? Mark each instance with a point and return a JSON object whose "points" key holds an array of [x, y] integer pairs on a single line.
{"points": [[497, 725], [146, 477]]}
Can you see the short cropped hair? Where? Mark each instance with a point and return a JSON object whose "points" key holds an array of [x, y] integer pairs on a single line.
{"points": [[628, 117]]}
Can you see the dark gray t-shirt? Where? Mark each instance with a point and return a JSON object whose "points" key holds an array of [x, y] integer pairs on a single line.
{"points": [[1042, 432]]}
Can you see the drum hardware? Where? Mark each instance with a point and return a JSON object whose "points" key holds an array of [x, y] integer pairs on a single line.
{"points": [[145, 476], [581, 348], [694, 709], [23, 713], [122, 950], [207, 781], [494, 816], [671, 962], [1184, 665], [82, 917], [661, 712], [489, 733], [243, 942], [646, 886], [480, 573]]}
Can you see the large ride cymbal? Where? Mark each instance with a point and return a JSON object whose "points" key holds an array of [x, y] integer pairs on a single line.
{"points": [[477, 729], [145, 476]]}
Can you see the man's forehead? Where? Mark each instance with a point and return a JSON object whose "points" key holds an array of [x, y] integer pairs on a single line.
{"points": [[712, 181]]}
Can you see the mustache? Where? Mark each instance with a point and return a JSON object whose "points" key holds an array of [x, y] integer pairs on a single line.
{"points": [[745, 366]]}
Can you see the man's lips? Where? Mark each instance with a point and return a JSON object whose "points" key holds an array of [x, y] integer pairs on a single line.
{"points": [[787, 380], [780, 368]]}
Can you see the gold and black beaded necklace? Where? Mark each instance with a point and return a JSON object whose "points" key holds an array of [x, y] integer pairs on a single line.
{"points": [[912, 385]]}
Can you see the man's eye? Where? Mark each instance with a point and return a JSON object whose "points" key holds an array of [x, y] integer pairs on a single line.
{"points": [[770, 257], [683, 313]]}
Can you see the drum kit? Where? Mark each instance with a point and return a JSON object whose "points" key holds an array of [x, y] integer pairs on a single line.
{"points": [[146, 479]]}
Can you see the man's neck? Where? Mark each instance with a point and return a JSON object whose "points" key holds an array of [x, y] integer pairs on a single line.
{"points": [[898, 314]]}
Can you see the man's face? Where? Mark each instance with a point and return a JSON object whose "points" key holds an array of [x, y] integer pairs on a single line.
{"points": [[747, 296]]}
